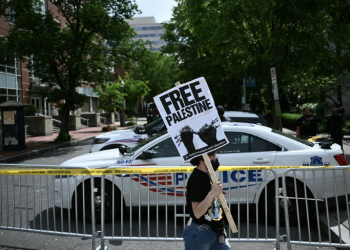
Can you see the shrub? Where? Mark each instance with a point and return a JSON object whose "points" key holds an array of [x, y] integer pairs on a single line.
{"points": [[131, 123], [288, 121], [104, 129], [63, 137], [31, 110]]}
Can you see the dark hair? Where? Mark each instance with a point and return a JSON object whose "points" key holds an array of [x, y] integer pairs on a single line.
{"points": [[195, 161], [305, 108], [221, 110]]}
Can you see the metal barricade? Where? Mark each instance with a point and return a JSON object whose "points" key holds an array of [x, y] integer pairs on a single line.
{"points": [[150, 206], [322, 199], [28, 201]]}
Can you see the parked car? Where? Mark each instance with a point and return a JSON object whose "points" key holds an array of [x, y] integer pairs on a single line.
{"points": [[240, 116], [249, 145], [128, 137]]}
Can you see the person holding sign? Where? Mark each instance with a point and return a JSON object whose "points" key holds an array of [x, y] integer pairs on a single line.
{"points": [[205, 229]]}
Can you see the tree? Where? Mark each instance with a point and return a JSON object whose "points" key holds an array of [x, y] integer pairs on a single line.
{"points": [[134, 90], [253, 36], [160, 71], [196, 60], [82, 44], [110, 96]]}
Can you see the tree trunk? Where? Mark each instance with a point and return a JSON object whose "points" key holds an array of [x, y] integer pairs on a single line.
{"points": [[64, 122]]}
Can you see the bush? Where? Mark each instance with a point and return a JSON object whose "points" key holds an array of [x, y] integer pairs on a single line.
{"points": [[63, 137], [288, 121], [317, 109], [131, 123], [31, 110], [112, 128]]}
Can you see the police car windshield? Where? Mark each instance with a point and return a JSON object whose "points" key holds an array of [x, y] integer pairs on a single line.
{"points": [[147, 127], [307, 143], [142, 143]]}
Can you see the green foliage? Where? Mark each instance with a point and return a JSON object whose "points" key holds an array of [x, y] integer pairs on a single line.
{"points": [[346, 127], [231, 40], [159, 71], [134, 90], [317, 109], [289, 119], [131, 123], [112, 128], [28, 111], [63, 137], [110, 96]]}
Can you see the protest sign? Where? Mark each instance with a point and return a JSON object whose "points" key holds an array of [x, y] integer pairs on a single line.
{"points": [[190, 115]]}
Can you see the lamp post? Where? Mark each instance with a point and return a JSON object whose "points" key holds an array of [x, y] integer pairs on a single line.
{"points": [[121, 115]]}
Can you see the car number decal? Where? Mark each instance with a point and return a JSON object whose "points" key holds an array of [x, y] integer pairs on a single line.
{"points": [[124, 161]]}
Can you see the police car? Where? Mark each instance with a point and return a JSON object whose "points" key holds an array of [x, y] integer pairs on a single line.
{"points": [[249, 145], [128, 137]]}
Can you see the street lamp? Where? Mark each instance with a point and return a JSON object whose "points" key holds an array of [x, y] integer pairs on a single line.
{"points": [[121, 115]]}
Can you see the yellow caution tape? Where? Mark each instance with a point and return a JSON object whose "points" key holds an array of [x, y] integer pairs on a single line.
{"points": [[120, 171]]}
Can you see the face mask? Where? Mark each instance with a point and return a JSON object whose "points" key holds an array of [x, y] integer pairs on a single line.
{"points": [[215, 163]]}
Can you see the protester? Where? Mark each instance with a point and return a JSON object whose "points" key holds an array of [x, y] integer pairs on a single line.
{"points": [[205, 228], [335, 124], [221, 112], [307, 124]]}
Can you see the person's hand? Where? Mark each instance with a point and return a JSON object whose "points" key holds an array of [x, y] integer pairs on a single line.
{"points": [[305, 123], [310, 118], [216, 188]]}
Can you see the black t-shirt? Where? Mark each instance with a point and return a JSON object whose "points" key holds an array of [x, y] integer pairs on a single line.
{"points": [[198, 187]]}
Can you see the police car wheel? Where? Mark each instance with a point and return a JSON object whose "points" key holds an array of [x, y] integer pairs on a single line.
{"points": [[98, 201], [292, 205]]}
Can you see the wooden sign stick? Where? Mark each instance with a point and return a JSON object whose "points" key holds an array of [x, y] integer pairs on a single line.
{"points": [[222, 199]]}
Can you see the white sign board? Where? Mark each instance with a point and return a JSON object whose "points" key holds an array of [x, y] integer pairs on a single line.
{"points": [[189, 112], [273, 76]]}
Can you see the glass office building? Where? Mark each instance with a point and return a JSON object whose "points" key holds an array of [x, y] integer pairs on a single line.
{"points": [[147, 28]]}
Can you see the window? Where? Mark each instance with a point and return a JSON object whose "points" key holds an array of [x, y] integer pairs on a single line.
{"points": [[165, 148], [10, 79], [243, 143]]}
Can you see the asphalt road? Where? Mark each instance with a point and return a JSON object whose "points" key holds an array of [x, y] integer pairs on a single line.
{"points": [[14, 240]]}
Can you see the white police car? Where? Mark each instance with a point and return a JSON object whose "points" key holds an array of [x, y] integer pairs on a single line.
{"points": [[249, 145], [128, 137]]}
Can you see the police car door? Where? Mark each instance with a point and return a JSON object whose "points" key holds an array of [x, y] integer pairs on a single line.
{"points": [[159, 188], [245, 149]]}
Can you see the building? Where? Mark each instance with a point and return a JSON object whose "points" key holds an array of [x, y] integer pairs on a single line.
{"points": [[20, 84], [147, 28]]}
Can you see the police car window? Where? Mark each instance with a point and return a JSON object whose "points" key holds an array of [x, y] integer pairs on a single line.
{"points": [[143, 143], [307, 143], [243, 143], [159, 126], [258, 144], [165, 148], [238, 143]]}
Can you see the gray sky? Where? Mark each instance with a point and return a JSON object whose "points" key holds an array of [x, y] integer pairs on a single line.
{"points": [[160, 9]]}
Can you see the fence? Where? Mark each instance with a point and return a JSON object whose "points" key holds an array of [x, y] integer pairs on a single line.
{"points": [[149, 204], [27, 203], [310, 199]]}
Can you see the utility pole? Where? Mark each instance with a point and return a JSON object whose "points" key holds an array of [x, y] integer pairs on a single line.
{"points": [[277, 116]]}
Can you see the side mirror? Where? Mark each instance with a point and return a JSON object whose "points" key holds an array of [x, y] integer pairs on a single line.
{"points": [[152, 132], [147, 154], [141, 140], [122, 149]]}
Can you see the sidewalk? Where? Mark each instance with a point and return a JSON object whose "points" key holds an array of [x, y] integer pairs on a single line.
{"points": [[41, 144]]}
